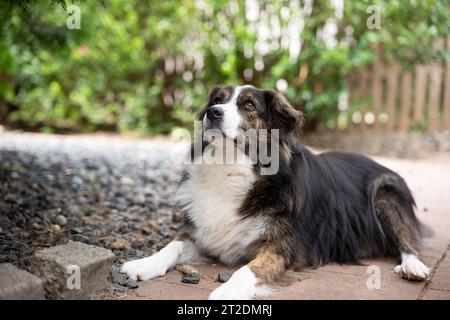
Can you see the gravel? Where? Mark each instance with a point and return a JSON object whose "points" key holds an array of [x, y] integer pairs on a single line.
{"points": [[112, 192]]}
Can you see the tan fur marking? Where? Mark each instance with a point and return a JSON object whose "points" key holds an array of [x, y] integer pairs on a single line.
{"points": [[400, 230], [268, 266]]}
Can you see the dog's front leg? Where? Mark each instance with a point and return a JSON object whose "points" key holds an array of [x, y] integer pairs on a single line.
{"points": [[251, 280], [176, 252]]}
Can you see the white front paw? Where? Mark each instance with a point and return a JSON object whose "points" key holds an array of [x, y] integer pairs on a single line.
{"points": [[241, 286], [143, 269], [231, 292]]}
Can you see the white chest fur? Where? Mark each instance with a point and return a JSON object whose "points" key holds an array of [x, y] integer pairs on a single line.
{"points": [[211, 197]]}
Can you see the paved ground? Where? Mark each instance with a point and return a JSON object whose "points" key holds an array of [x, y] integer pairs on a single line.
{"points": [[429, 180]]}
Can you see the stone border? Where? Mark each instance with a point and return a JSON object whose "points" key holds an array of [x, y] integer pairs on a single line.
{"points": [[70, 271]]}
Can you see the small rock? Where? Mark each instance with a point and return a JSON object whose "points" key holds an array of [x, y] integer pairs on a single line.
{"points": [[85, 239], [136, 244], [61, 220], [223, 277], [119, 278], [127, 181], [77, 181], [140, 199], [191, 278], [77, 230], [56, 228], [120, 244], [131, 284], [139, 254], [187, 269]]}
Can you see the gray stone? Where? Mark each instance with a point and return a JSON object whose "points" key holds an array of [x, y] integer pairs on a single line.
{"points": [[223, 277], [19, 284], [61, 220], [191, 278], [132, 284], [74, 270], [119, 278]]}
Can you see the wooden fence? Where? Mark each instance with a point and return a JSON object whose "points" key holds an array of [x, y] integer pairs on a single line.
{"points": [[389, 98]]}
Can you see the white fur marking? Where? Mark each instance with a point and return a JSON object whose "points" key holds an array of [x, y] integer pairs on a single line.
{"points": [[232, 119], [241, 286], [211, 197], [412, 268], [157, 265]]}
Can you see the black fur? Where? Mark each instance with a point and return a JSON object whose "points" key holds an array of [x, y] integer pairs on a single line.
{"points": [[324, 207]]}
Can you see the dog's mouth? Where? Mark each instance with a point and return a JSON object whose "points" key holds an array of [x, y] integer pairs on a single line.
{"points": [[214, 128]]}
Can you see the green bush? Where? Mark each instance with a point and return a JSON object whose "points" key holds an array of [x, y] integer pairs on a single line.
{"points": [[115, 73]]}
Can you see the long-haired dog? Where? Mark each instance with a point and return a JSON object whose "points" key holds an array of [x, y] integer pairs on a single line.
{"points": [[315, 209]]}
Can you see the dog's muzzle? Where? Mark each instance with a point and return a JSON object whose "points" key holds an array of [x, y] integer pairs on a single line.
{"points": [[214, 114]]}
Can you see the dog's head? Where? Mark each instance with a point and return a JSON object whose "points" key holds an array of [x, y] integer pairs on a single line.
{"points": [[235, 109]]}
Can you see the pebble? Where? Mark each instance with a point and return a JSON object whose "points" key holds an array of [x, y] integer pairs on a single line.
{"points": [[119, 278], [191, 278], [131, 284], [56, 228], [61, 220], [76, 230], [85, 239], [223, 277], [187, 269], [127, 181], [120, 244], [139, 254], [77, 181]]}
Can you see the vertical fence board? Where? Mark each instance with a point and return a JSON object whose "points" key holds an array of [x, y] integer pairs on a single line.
{"points": [[363, 76], [391, 98], [420, 86], [434, 93], [446, 110], [377, 91], [352, 98], [405, 101]]}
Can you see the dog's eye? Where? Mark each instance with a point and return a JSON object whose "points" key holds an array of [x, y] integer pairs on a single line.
{"points": [[249, 105], [217, 100]]}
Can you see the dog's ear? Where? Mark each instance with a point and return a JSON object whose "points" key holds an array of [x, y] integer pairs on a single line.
{"points": [[212, 93], [282, 115]]}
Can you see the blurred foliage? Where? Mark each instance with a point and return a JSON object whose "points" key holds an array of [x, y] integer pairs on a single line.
{"points": [[146, 66]]}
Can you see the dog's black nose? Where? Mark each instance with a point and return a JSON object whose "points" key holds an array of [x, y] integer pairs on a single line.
{"points": [[214, 113]]}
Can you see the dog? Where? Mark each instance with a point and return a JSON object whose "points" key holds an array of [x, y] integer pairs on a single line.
{"points": [[332, 207]]}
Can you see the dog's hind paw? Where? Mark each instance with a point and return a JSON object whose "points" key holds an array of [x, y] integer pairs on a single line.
{"points": [[412, 268]]}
